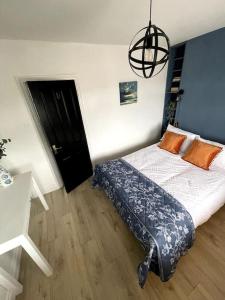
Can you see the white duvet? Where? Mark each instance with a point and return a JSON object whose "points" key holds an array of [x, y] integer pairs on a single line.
{"points": [[201, 192]]}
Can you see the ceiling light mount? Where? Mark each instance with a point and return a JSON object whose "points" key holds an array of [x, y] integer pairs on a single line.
{"points": [[149, 50]]}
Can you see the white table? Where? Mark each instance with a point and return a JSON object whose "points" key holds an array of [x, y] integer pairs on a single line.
{"points": [[14, 221]]}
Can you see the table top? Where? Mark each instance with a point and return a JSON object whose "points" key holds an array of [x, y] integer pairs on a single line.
{"points": [[15, 207]]}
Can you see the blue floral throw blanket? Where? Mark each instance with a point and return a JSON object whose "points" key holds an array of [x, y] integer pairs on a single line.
{"points": [[160, 222]]}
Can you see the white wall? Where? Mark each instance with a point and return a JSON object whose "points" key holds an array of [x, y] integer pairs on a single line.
{"points": [[97, 69]]}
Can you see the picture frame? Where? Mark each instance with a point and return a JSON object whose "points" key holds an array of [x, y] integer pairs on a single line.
{"points": [[128, 92]]}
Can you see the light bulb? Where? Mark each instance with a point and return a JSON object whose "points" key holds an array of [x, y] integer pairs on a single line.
{"points": [[148, 55]]}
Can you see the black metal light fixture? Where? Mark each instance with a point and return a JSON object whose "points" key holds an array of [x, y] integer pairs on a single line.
{"points": [[149, 54]]}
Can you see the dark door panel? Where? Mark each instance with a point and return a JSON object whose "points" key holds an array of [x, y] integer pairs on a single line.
{"points": [[59, 112]]}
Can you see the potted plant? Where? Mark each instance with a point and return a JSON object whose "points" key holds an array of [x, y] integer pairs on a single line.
{"points": [[5, 177]]}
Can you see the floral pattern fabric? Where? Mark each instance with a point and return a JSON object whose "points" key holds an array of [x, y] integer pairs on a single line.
{"points": [[160, 222]]}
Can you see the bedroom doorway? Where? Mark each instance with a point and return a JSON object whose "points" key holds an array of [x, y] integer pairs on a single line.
{"points": [[58, 109]]}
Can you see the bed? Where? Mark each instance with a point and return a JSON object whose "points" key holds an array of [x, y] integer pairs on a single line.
{"points": [[163, 199], [201, 192]]}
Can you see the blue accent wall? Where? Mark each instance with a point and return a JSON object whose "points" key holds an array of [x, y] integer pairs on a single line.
{"points": [[202, 108]]}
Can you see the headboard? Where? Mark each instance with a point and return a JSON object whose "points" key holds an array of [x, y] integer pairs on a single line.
{"points": [[202, 106]]}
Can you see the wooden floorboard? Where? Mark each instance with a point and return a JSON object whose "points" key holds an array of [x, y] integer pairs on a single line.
{"points": [[95, 256]]}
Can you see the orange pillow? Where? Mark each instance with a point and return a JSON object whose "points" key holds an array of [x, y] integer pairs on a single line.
{"points": [[201, 154], [172, 142]]}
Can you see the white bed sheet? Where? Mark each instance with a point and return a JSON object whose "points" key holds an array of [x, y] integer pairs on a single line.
{"points": [[201, 192]]}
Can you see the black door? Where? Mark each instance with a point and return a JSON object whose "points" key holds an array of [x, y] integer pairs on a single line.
{"points": [[59, 112]]}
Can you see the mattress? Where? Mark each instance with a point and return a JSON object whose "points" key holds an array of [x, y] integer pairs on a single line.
{"points": [[201, 192]]}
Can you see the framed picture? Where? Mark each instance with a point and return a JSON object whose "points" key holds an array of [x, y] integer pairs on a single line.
{"points": [[128, 92]]}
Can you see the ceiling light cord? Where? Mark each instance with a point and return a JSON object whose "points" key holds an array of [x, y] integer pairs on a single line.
{"points": [[150, 21]]}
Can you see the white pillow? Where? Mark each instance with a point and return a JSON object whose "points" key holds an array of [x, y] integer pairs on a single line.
{"points": [[190, 137], [219, 160]]}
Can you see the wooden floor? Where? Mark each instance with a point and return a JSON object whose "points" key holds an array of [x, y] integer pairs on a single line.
{"points": [[94, 255]]}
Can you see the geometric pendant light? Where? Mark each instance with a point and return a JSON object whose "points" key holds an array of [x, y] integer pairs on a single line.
{"points": [[149, 50]]}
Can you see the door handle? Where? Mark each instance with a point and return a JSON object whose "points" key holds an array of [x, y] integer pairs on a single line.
{"points": [[56, 149]]}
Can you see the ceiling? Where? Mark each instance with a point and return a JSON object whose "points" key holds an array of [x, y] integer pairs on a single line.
{"points": [[106, 21]]}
